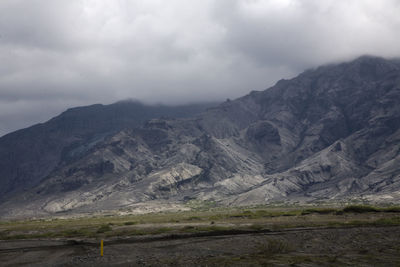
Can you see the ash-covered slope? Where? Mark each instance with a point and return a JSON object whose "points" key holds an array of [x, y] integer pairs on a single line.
{"points": [[329, 134]]}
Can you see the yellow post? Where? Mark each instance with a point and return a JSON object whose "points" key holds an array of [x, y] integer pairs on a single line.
{"points": [[101, 248]]}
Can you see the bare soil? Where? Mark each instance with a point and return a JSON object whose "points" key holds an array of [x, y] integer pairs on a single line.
{"points": [[347, 246]]}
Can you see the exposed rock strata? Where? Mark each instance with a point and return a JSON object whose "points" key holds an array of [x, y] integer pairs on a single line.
{"points": [[329, 134]]}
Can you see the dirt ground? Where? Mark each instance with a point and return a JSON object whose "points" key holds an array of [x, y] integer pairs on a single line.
{"points": [[357, 246]]}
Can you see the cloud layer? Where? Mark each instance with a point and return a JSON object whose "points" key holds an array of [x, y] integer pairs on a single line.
{"points": [[57, 54]]}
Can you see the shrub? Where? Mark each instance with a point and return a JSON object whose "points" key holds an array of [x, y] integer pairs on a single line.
{"points": [[72, 233], [319, 211], [391, 209], [104, 228], [194, 218], [360, 209], [388, 221]]}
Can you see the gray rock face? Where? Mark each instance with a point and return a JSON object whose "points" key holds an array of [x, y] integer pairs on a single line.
{"points": [[329, 134], [29, 155]]}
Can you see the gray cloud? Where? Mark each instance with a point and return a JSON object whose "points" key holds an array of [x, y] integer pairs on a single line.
{"points": [[57, 54]]}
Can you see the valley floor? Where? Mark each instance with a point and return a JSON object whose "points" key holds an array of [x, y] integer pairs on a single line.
{"points": [[358, 246], [255, 237]]}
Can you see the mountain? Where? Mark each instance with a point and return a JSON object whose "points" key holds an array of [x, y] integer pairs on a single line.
{"points": [[330, 134], [29, 155]]}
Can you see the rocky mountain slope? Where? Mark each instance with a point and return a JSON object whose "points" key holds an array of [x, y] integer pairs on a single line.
{"points": [[330, 134], [29, 155]]}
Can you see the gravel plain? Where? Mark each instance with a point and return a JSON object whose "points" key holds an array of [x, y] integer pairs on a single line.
{"points": [[349, 246]]}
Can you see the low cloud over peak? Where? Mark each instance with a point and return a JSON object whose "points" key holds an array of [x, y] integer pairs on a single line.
{"points": [[57, 54]]}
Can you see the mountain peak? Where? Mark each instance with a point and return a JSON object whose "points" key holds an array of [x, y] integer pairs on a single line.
{"points": [[369, 58], [329, 134]]}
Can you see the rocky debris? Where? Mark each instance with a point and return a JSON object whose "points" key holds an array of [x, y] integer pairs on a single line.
{"points": [[361, 246]]}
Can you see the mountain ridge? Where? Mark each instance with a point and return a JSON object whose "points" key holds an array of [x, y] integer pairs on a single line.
{"points": [[329, 134], [44, 145]]}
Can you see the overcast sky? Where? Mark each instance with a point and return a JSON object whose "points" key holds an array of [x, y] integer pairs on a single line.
{"points": [[57, 54]]}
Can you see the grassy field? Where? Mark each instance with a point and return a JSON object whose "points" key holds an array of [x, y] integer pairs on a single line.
{"points": [[202, 219], [356, 235]]}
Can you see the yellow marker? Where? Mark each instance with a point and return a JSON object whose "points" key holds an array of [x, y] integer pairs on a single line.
{"points": [[101, 248]]}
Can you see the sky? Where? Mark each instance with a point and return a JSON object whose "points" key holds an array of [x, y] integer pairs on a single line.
{"points": [[57, 54]]}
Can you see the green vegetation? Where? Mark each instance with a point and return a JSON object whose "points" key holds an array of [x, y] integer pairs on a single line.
{"points": [[391, 209], [320, 211], [104, 228], [129, 223], [367, 208], [213, 219], [360, 209], [388, 221]]}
